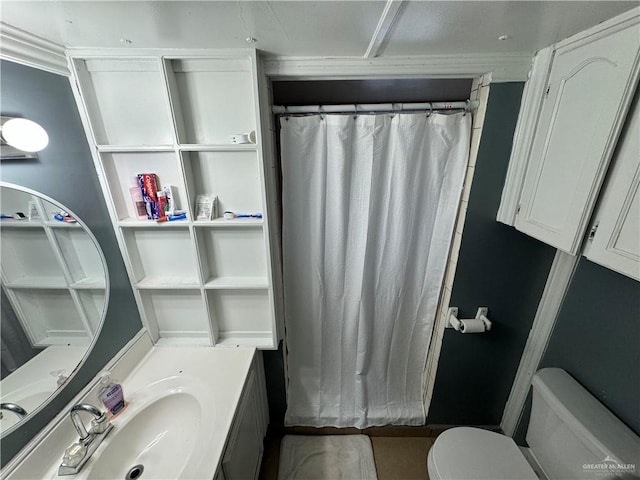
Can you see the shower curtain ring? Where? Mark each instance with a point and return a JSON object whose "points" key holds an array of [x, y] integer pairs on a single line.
{"points": [[355, 112], [467, 107], [321, 112], [430, 110], [286, 113]]}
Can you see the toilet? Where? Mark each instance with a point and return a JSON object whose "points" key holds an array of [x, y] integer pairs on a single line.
{"points": [[571, 436]]}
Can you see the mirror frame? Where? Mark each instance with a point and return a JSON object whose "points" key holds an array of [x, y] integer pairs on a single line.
{"points": [[107, 293]]}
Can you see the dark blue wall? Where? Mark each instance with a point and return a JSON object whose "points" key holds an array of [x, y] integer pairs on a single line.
{"points": [[498, 267], [597, 340], [65, 172]]}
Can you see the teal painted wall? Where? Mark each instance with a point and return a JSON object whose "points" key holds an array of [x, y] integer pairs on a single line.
{"points": [[65, 172]]}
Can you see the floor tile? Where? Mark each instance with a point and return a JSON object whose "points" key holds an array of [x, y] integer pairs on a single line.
{"points": [[401, 458]]}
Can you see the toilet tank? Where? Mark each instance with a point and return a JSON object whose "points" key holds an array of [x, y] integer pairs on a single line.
{"points": [[573, 436]]}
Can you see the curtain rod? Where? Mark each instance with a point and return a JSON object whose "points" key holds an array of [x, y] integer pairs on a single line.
{"points": [[376, 108]]}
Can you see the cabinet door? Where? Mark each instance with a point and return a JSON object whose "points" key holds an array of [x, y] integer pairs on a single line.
{"points": [[244, 452], [590, 86], [616, 240]]}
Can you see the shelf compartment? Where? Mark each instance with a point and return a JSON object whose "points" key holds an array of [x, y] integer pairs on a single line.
{"points": [[233, 257], [81, 256], [233, 176], [177, 313], [162, 258], [29, 258], [241, 316], [53, 318], [13, 201], [121, 167], [49, 210], [93, 303], [126, 100], [212, 98]]}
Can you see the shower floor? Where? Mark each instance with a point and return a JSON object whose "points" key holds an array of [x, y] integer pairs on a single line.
{"points": [[399, 453]]}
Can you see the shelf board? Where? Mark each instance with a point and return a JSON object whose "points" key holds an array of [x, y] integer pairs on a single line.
{"points": [[56, 224], [7, 222], [132, 222], [134, 148], [245, 339], [183, 341], [236, 222], [92, 283], [230, 147], [237, 283], [73, 340], [38, 283], [168, 283]]}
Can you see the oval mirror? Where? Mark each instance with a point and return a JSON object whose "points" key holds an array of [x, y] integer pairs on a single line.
{"points": [[54, 295]]}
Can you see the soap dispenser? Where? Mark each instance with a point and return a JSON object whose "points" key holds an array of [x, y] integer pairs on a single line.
{"points": [[110, 394]]}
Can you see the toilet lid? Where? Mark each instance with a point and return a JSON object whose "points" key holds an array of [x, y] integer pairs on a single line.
{"points": [[475, 454]]}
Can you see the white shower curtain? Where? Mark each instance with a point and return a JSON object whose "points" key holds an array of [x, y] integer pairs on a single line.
{"points": [[369, 206]]}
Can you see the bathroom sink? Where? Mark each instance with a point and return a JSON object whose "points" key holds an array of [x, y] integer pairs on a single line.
{"points": [[159, 435], [180, 410], [155, 443]]}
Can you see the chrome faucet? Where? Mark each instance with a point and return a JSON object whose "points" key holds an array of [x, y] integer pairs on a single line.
{"points": [[77, 454], [15, 408]]}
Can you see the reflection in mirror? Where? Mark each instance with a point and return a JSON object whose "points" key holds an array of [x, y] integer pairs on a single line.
{"points": [[54, 291]]}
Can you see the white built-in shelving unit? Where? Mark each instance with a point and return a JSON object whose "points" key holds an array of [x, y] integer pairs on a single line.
{"points": [[173, 113], [52, 273]]}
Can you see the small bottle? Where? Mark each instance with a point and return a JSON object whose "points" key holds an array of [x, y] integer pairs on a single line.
{"points": [[163, 205], [138, 201], [110, 394]]}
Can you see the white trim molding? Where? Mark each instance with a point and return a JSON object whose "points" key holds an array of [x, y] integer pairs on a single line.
{"points": [[555, 290], [388, 18], [504, 67], [28, 49]]}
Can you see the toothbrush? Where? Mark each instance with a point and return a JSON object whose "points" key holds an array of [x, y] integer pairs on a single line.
{"points": [[231, 215]]}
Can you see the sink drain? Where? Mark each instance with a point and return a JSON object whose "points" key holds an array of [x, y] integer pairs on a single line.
{"points": [[135, 472]]}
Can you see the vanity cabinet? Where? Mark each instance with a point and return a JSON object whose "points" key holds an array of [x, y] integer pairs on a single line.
{"points": [[243, 453], [52, 273], [589, 87], [614, 239], [173, 113]]}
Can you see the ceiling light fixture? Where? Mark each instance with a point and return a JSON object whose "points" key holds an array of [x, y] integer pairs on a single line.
{"points": [[22, 134], [251, 40], [504, 37]]}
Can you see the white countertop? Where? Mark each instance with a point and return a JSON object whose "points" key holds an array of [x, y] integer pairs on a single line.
{"points": [[215, 376]]}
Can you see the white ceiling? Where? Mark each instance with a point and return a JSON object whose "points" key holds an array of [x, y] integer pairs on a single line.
{"points": [[311, 28]]}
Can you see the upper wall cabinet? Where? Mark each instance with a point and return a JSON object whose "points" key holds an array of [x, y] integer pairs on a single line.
{"points": [[568, 130], [614, 240], [193, 119]]}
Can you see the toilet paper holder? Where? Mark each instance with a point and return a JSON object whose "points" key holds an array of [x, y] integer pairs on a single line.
{"points": [[479, 324]]}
